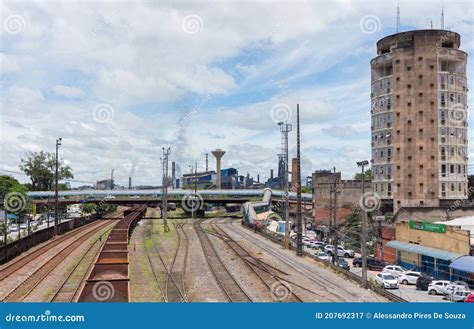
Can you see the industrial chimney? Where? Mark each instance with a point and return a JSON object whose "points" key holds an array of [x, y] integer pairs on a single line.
{"points": [[218, 154], [130, 182], [173, 174]]}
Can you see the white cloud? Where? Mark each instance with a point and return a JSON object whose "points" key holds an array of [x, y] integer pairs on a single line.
{"points": [[247, 58], [68, 92]]}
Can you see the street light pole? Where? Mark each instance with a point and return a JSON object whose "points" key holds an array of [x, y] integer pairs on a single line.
{"points": [[56, 196], [164, 202], [363, 218]]}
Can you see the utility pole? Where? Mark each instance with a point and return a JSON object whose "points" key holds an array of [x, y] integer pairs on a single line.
{"points": [[299, 226], [56, 197], [5, 235], [363, 217], [195, 190], [285, 128], [334, 218], [164, 202]]}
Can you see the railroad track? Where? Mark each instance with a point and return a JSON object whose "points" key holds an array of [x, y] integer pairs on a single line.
{"points": [[12, 267], [228, 284], [183, 242], [172, 290], [328, 287], [69, 288], [279, 288], [26, 287]]}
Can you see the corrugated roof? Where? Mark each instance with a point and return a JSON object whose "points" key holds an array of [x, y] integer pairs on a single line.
{"points": [[428, 251], [464, 263]]}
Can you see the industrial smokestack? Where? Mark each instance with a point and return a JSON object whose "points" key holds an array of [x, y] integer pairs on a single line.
{"points": [[130, 183], [173, 174], [271, 173], [218, 154], [207, 162], [258, 178]]}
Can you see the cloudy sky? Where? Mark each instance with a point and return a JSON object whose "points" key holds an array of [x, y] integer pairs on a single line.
{"points": [[118, 80]]}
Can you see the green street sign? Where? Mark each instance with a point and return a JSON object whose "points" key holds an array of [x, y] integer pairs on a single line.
{"points": [[427, 226]]}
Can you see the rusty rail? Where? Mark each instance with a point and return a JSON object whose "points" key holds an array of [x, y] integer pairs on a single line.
{"points": [[108, 280]]}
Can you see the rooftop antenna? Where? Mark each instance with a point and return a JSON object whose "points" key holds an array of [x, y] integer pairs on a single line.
{"points": [[398, 17], [442, 18]]}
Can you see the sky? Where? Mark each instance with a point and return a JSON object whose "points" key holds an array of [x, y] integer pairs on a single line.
{"points": [[120, 80]]}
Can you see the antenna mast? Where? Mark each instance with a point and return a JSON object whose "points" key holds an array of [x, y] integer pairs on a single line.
{"points": [[442, 18], [398, 17]]}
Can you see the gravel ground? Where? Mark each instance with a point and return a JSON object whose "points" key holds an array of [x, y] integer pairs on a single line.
{"points": [[22, 274], [248, 280], [202, 286], [327, 285]]}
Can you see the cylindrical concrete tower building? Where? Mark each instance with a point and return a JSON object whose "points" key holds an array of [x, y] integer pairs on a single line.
{"points": [[419, 118]]}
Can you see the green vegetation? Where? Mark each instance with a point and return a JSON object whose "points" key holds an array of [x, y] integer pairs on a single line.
{"points": [[40, 168], [306, 189], [367, 174]]}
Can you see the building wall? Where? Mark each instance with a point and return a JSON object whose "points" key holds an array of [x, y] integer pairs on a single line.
{"points": [[455, 239], [349, 192], [419, 129], [388, 254], [435, 214]]}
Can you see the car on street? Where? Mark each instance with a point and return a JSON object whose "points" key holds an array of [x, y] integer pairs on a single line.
{"points": [[372, 263], [455, 286], [319, 245], [394, 269], [438, 287], [408, 277], [342, 263], [458, 295], [323, 256], [341, 251], [387, 280], [423, 282]]}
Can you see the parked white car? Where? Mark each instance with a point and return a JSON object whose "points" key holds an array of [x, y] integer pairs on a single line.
{"points": [[408, 277], [458, 295], [387, 280], [341, 252], [459, 285], [438, 287], [395, 270], [323, 256]]}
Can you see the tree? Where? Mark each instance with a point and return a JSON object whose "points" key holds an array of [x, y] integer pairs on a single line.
{"points": [[7, 185], [40, 167], [368, 175], [13, 195]]}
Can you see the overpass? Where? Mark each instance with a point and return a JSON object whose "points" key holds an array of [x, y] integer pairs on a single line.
{"points": [[144, 196]]}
